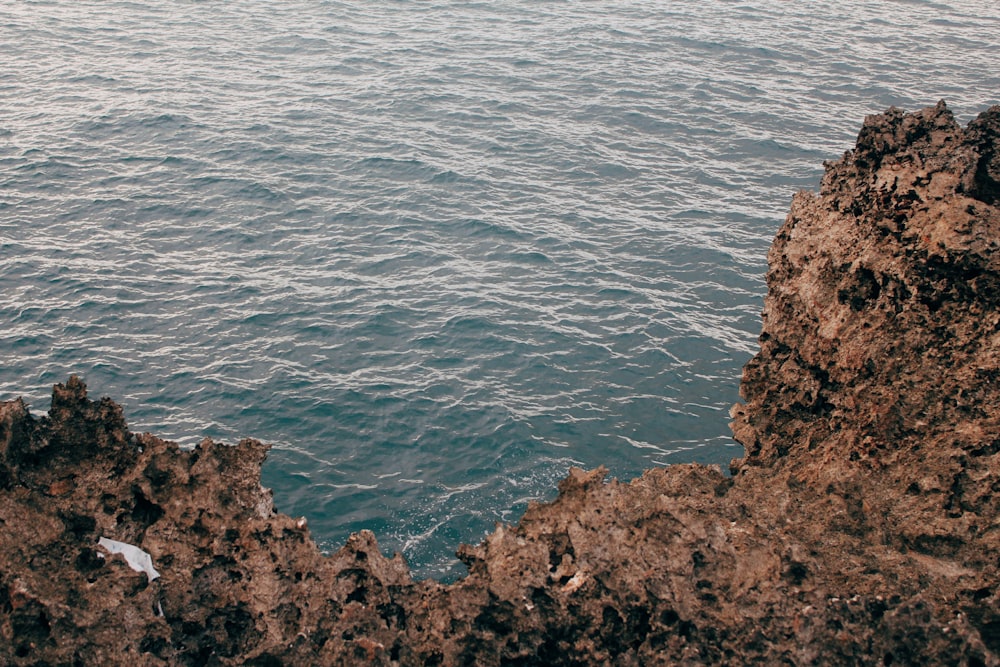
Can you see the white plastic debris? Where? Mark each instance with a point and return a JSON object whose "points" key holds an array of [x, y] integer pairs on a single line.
{"points": [[137, 559]]}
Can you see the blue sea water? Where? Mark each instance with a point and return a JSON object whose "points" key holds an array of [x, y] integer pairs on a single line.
{"points": [[435, 252]]}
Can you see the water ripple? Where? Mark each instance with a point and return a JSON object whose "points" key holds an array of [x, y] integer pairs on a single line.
{"points": [[436, 252]]}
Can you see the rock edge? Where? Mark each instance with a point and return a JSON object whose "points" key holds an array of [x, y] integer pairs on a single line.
{"points": [[861, 527]]}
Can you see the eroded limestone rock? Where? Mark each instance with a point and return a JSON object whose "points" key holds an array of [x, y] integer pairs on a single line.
{"points": [[861, 527]]}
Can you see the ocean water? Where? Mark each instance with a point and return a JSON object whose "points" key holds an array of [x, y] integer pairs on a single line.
{"points": [[435, 252]]}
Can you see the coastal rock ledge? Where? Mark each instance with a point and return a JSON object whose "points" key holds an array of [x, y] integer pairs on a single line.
{"points": [[861, 527]]}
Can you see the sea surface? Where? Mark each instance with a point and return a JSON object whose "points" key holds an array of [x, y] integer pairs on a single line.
{"points": [[436, 252]]}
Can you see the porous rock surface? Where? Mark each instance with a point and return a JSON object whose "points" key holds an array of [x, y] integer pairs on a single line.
{"points": [[861, 527]]}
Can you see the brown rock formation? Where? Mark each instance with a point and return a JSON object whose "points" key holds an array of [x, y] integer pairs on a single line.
{"points": [[861, 527]]}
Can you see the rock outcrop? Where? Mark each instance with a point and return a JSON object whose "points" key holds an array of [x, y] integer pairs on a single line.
{"points": [[861, 527]]}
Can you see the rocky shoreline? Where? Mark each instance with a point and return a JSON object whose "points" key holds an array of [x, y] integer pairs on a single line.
{"points": [[861, 526]]}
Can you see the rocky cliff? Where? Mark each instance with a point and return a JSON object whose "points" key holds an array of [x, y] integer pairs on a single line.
{"points": [[861, 527]]}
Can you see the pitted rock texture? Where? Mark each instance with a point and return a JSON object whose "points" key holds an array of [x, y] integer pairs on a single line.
{"points": [[861, 527], [880, 352]]}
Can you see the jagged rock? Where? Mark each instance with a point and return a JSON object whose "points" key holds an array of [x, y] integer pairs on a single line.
{"points": [[861, 527]]}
